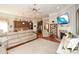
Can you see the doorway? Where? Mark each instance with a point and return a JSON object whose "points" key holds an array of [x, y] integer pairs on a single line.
{"points": [[39, 29]]}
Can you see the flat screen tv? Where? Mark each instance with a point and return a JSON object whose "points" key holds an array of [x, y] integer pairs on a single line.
{"points": [[63, 19]]}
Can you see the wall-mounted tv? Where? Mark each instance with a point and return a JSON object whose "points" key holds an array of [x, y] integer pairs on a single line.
{"points": [[63, 19]]}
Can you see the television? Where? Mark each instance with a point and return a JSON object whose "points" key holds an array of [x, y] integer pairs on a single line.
{"points": [[63, 19]]}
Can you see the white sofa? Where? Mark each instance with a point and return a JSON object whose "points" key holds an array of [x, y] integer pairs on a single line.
{"points": [[14, 38]]}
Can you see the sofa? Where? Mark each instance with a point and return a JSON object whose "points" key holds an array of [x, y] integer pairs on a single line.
{"points": [[15, 38]]}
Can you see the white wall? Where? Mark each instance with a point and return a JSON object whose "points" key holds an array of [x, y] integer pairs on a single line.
{"points": [[72, 16], [11, 25], [45, 32], [77, 22], [34, 25], [9, 18]]}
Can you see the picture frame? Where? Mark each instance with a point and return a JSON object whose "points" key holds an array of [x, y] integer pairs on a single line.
{"points": [[46, 27]]}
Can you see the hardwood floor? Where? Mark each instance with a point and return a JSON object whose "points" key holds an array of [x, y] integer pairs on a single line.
{"points": [[39, 35], [51, 37]]}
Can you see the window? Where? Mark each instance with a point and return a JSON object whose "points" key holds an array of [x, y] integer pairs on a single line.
{"points": [[3, 26]]}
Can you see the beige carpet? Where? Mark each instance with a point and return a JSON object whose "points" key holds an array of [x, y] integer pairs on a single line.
{"points": [[39, 46]]}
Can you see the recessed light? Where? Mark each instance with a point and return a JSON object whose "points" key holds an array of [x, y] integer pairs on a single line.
{"points": [[57, 7], [23, 23]]}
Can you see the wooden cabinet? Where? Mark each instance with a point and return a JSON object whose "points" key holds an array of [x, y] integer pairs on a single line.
{"points": [[21, 25], [53, 29], [17, 24]]}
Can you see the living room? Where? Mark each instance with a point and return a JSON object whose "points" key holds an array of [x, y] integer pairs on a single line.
{"points": [[33, 25]]}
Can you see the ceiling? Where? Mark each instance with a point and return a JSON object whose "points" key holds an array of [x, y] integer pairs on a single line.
{"points": [[26, 9]]}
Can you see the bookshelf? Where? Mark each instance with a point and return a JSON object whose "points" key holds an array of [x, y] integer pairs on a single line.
{"points": [[53, 29]]}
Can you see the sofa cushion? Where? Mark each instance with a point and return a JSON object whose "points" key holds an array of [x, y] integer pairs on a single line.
{"points": [[11, 33], [14, 36]]}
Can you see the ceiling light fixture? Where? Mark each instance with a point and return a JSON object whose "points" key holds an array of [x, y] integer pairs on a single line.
{"points": [[35, 9]]}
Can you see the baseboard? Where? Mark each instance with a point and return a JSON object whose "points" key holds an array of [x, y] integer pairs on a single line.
{"points": [[20, 44]]}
